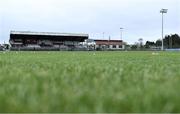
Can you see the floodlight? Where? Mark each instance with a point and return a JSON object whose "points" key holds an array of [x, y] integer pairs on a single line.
{"points": [[164, 11]]}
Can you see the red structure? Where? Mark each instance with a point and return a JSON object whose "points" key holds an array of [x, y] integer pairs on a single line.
{"points": [[109, 44]]}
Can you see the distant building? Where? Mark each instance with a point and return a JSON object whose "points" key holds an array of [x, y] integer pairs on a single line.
{"points": [[89, 44], [109, 44], [25, 40]]}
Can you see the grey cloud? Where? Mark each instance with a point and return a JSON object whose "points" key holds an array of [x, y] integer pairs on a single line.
{"points": [[140, 18]]}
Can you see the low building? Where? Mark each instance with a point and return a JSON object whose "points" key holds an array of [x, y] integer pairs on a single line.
{"points": [[25, 40], [109, 44], [89, 44]]}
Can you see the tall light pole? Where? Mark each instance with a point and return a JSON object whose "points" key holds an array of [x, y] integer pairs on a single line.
{"points": [[103, 35], [163, 11], [121, 29]]}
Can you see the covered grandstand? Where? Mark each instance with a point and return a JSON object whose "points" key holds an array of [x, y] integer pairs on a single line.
{"points": [[39, 41]]}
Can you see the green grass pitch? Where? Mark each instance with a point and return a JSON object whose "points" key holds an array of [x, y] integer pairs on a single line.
{"points": [[89, 82]]}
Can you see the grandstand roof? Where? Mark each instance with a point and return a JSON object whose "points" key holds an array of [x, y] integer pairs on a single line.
{"points": [[47, 33], [48, 36]]}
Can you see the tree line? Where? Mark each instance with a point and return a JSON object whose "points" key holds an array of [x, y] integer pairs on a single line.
{"points": [[170, 41]]}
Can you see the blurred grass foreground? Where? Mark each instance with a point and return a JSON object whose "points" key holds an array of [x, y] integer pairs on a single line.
{"points": [[89, 82]]}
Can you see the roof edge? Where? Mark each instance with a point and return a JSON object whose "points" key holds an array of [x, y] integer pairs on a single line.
{"points": [[48, 33]]}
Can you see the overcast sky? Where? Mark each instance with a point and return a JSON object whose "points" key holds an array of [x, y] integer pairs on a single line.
{"points": [[139, 18]]}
